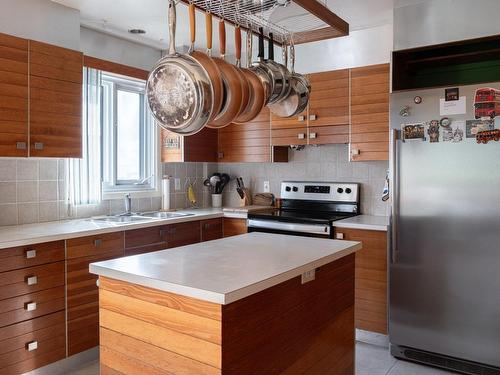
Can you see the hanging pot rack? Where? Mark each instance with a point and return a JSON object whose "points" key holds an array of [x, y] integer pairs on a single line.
{"points": [[253, 14]]}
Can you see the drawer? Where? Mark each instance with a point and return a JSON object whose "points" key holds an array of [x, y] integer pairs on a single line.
{"points": [[32, 279], [211, 229], [33, 305], [27, 256], [94, 245], [138, 241], [49, 336]]}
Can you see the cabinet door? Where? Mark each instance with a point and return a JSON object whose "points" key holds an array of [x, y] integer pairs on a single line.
{"points": [[183, 234], [211, 229], [249, 142], [13, 96], [289, 131], [145, 240], [200, 147], [82, 291], [56, 76], [233, 227], [371, 279], [328, 116], [370, 113]]}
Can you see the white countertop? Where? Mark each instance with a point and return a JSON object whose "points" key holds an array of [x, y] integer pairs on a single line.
{"points": [[226, 270], [367, 222], [27, 234]]}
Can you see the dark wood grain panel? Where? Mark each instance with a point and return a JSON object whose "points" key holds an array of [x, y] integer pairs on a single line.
{"points": [[16, 257], [15, 283], [182, 234], [94, 245], [40, 360], [138, 241], [56, 51], [285, 137], [328, 134], [234, 227], [13, 310], [112, 67], [211, 229]]}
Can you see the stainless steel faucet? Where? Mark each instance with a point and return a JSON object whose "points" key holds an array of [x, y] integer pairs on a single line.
{"points": [[128, 204]]}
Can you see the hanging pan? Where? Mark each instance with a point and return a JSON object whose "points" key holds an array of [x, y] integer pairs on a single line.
{"points": [[245, 85], [257, 98], [261, 69], [232, 85], [179, 89], [300, 89], [284, 73]]}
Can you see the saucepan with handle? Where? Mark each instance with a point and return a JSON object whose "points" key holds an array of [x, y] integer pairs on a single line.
{"points": [[179, 89]]}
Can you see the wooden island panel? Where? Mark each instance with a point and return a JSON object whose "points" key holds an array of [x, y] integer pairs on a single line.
{"points": [[308, 329]]}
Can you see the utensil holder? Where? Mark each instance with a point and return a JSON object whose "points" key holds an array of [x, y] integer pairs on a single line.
{"points": [[247, 199], [216, 200]]}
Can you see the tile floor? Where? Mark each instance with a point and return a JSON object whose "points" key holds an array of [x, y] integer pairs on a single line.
{"points": [[370, 360]]}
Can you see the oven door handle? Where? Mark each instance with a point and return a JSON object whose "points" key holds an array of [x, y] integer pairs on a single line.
{"points": [[321, 229]]}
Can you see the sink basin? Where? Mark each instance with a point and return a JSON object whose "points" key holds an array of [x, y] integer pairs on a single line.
{"points": [[120, 219], [164, 215]]}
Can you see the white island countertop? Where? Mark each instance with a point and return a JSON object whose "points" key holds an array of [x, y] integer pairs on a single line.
{"points": [[366, 222], [226, 270]]}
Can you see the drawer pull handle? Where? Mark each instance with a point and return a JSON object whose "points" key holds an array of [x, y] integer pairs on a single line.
{"points": [[312, 117], [301, 136], [32, 280], [38, 145], [21, 145], [30, 254], [312, 135], [162, 233], [97, 283], [33, 345], [30, 306], [97, 242], [339, 236], [301, 118]]}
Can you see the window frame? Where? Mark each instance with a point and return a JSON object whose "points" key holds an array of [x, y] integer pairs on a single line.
{"points": [[148, 182]]}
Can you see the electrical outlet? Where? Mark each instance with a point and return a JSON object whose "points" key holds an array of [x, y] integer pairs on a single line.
{"points": [[177, 183], [267, 188], [308, 276]]}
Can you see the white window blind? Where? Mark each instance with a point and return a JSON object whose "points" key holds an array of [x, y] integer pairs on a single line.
{"points": [[83, 176]]}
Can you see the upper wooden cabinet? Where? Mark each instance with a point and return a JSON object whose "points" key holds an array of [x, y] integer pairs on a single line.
{"points": [[13, 96], [290, 130], [56, 77], [328, 117], [370, 113], [200, 147], [250, 142], [40, 99]]}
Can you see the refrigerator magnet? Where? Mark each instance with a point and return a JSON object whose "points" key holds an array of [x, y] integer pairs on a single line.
{"points": [[488, 135], [413, 131], [454, 133], [433, 131], [451, 94], [445, 122], [472, 127]]}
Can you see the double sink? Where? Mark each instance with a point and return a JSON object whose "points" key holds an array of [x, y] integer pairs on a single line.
{"points": [[138, 217]]}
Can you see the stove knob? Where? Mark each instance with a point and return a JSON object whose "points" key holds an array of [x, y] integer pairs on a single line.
{"points": [[295, 188], [348, 191], [288, 188], [340, 190]]}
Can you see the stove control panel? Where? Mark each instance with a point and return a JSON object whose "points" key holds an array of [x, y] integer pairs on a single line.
{"points": [[320, 191]]}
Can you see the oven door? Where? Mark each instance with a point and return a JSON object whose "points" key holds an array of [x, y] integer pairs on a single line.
{"points": [[294, 229]]}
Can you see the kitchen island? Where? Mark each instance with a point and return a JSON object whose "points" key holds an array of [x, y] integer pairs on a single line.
{"points": [[256, 303]]}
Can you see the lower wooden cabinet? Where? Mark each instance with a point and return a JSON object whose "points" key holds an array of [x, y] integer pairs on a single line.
{"points": [[32, 307], [233, 227], [182, 234], [371, 278], [211, 229], [145, 240], [82, 291]]}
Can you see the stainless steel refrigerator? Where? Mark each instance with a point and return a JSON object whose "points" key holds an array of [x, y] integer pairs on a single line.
{"points": [[445, 251]]}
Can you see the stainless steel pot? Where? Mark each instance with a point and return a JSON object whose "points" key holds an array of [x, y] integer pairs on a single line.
{"points": [[179, 89]]}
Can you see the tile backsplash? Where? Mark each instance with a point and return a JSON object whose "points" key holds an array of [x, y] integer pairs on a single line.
{"points": [[313, 163], [34, 190]]}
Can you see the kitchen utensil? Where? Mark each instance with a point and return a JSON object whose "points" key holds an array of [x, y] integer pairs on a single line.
{"points": [[257, 98], [179, 90], [239, 188], [215, 182], [245, 85], [283, 75], [232, 85], [298, 97], [191, 194], [224, 178], [263, 71], [206, 61]]}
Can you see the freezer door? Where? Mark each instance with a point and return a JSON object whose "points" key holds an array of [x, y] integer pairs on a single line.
{"points": [[445, 265]]}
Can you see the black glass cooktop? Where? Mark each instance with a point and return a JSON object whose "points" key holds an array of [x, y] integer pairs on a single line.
{"points": [[297, 216]]}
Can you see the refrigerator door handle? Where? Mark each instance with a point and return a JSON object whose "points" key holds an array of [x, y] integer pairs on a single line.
{"points": [[394, 188]]}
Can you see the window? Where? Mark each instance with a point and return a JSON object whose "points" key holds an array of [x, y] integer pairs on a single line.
{"points": [[128, 136]]}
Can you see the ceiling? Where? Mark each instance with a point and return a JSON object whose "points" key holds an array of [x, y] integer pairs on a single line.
{"points": [[151, 15]]}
